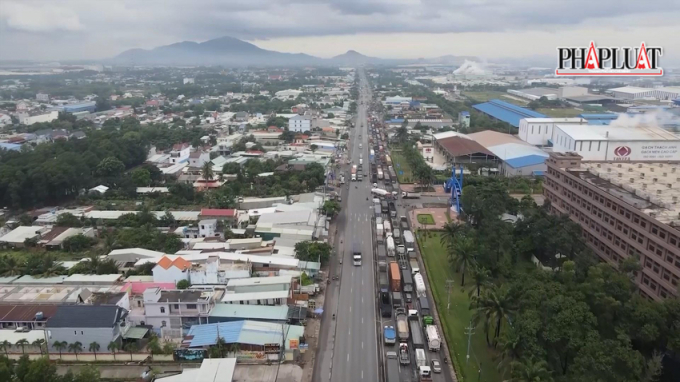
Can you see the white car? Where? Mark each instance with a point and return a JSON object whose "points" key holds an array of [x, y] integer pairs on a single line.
{"points": [[375, 185], [436, 366]]}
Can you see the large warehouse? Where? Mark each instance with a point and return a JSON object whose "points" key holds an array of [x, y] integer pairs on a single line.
{"points": [[633, 92], [518, 158], [506, 112], [620, 143]]}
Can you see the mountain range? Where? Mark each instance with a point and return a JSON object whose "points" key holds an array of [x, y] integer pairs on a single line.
{"points": [[234, 52]]}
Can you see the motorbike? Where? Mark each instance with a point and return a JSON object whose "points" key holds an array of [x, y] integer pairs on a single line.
{"points": [[334, 316]]}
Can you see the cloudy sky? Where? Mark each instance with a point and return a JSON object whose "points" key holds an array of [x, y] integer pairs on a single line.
{"points": [[83, 29]]}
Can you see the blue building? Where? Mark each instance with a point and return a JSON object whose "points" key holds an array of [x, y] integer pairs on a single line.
{"points": [[78, 107], [10, 146], [599, 119], [506, 112]]}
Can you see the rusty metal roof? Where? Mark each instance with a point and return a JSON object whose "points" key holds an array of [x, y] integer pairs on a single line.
{"points": [[459, 146], [25, 313]]}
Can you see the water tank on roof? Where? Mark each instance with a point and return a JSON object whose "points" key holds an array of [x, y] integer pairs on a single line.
{"points": [[39, 316]]}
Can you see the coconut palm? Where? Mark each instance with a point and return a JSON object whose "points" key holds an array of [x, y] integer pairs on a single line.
{"points": [[221, 345], [131, 348], [12, 267], [60, 346], [452, 232], [76, 347], [463, 256], [494, 305], [530, 370], [22, 342], [509, 349], [207, 171], [113, 347], [5, 345], [94, 348], [39, 344], [482, 278]]}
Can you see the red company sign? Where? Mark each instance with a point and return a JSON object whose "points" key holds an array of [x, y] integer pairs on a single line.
{"points": [[607, 61], [622, 153]]}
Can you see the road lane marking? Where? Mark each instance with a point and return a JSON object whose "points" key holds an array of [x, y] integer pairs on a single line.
{"points": [[362, 374], [362, 344], [350, 308], [362, 320], [347, 357]]}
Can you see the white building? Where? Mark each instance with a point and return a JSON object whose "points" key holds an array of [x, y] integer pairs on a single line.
{"points": [[188, 81], [26, 119], [170, 311], [633, 93], [572, 91], [617, 143], [198, 158], [538, 131], [180, 153], [272, 298], [300, 123], [208, 228], [214, 272], [43, 97], [171, 271], [287, 94]]}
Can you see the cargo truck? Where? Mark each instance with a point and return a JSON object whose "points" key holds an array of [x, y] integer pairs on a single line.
{"points": [[376, 210], [421, 358], [415, 268], [354, 172], [381, 253], [409, 241], [396, 234], [404, 223], [424, 306], [379, 232], [393, 209], [396, 300], [380, 173], [391, 249], [392, 367], [416, 334], [395, 277], [384, 207], [402, 324], [407, 286], [420, 285], [433, 341], [385, 303], [390, 335], [383, 282], [388, 228], [410, 195], [404, 357], [424, 374]]}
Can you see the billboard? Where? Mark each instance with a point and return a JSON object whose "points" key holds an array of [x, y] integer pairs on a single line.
{"points": [[644, 151]]}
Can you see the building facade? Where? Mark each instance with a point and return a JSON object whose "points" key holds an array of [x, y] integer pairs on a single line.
{"points": [[622, 217], [300, 123]]}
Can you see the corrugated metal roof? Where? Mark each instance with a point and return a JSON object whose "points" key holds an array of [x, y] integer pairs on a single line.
{"points": [[506, 112], [22, 313], [458, 146], [252, 296], [514, 150], [530, 160], [489, 138], [85, 316]]}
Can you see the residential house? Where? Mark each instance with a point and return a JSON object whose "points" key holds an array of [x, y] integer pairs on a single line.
{"points": [[180, 153], [86, 324], [215, 272], [228, 216], [241, 116], [172, 312], [198, 158], [25, 315], [171, 271]]}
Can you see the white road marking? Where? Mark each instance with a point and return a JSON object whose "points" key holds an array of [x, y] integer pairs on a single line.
{"points": [[347, 357], [362, 344], [362, 320], [362, 299], [350, 308], [362, 374]]}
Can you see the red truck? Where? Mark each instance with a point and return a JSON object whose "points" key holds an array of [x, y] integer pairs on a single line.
{"points": [[395, 277]]}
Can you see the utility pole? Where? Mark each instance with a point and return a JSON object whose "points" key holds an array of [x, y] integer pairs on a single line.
{"points": [[469, 331], [449, 285]]}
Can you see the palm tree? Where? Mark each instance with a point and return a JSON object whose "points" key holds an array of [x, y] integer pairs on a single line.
{"points": [[12, 267], [39, 344], [76, 348], [6, 345], [235, 348], [60, 346], [452, 231], [463, 255], [509, 349], [94, 348], [131, 348], [221, 345], [22, 342], [482, 277], [494, 305], [113, 347], [530, 370], [207, 171]]}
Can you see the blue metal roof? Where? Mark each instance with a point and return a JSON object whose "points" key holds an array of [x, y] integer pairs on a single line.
{"points": [[529, 160], [464, 113], [395, 121], [506, 112], [10, 146], [677, 101], [206, 335], [608, 116], [538, 173]]}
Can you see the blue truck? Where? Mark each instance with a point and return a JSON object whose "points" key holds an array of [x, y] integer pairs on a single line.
{"points": [[390, 335]]}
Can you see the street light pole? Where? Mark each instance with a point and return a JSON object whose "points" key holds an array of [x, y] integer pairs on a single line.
{"points": [[469, 331], [449, 285]]}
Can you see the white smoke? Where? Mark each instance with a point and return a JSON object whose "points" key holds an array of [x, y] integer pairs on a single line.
{"points": [[659, 118], [471, 67]]}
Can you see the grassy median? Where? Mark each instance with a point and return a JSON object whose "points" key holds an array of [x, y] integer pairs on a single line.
{"points": [[457, 318]]}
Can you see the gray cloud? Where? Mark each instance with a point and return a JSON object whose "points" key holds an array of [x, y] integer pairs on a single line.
{"points": [[85, 28]]}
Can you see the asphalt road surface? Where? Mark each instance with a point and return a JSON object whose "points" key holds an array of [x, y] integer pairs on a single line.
{"points": [[348, 350]]}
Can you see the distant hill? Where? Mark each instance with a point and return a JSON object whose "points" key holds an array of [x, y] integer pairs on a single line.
{"points": [[234, 52]]}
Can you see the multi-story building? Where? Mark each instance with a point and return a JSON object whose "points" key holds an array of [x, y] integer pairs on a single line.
{"points": [[172, 312], [300, 123], [624, 209]]}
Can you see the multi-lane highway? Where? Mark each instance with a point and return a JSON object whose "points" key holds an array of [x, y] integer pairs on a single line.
{"points": [[348, 345]]}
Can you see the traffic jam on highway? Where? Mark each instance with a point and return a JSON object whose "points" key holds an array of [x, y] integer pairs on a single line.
{"points": [[408, 330]]}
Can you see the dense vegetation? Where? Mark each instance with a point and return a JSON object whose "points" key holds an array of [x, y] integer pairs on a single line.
{"points": [[52, 173], [580, 321], [42, 370]]}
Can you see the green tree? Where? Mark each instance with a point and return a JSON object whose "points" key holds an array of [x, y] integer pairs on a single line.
{"points": [[331, 207], [463, 256], [110, 167], [39, 343], [60, 346], [312, 251], [25, 219], [94, 348], [207, 171], [313, 148], [482, 278], [67, 219], [76, 347], [141, 177], [131, 348], [183, 284], [78, 243], [530, 370], [493, 306], [113, 347], [5, 346]]}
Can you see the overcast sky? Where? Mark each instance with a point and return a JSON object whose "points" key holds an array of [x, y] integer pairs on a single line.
{"points": [[82, 29]]}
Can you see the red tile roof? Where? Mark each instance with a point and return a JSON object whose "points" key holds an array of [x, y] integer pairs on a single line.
{"points": [[179, 262], [218, 212]]}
